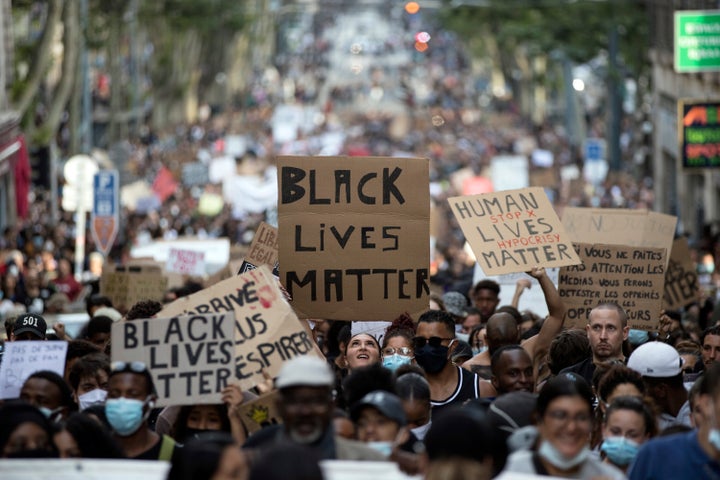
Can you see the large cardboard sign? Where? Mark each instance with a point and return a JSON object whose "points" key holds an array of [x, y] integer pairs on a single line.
{"points": [[190, 357], [267, 331], [22, 359], [632, 277], [354, 236], [127, 285], [620, 226], [513, 231], [681, 280], [260, 412], [263, 250]]}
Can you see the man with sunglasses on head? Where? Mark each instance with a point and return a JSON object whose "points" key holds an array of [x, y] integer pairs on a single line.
{"points": [[433, 345], [130, 399]]}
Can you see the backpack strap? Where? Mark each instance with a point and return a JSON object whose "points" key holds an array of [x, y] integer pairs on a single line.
{"points": [[166, 448]]}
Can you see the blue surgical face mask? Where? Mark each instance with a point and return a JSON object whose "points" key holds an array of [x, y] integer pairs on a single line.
{"points": [[548, 452], [125, 415], [479, 350], [50, 414], [383, 447], [637, 337], [620, 450], [714, 438], [392, 362]]}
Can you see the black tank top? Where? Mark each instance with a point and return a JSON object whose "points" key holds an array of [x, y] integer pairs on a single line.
{"points": [[467, 389]]}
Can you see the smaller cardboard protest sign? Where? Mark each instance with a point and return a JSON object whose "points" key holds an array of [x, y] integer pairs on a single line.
{"points": [[632, 277], [543, 177], [22, 359], [260, 412], [620, 226], [267, 331], [263, 250], [513, 231], [681, 279], [186, 262], [190, 357], [126, 285]]}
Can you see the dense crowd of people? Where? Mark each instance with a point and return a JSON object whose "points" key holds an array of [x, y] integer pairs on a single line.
{"points": [[443, 397]]}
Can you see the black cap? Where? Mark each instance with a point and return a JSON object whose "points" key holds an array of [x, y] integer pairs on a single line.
{"points": [[30, 322]]}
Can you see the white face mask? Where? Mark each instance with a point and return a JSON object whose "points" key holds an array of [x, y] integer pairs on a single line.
{"points": [[421, 431], [548, 452], [383, 447], [93, 397]]}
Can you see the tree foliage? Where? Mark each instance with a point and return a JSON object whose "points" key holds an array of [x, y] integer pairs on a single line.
{"points": [[577, 28]]}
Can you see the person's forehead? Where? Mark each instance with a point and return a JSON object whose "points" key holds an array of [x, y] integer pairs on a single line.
{"points": [[604, 316], [40, 385], [485, 293], [363, 338], [127, 380], [398, 341], [431, 329], [305, 390], [711, 339], [515, 358]]}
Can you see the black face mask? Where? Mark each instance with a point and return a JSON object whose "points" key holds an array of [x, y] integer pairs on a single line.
{"points": [[33, 453], [432, 359]]}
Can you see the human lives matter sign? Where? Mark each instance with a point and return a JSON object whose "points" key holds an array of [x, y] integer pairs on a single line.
{"points": [[267, 331], [190, 357], [513, 230], [354, 236]]}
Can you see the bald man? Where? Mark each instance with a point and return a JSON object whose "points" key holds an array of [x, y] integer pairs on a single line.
{"points": [[502, 329]]}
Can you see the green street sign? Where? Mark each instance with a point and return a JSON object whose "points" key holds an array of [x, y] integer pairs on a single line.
{"points": [[697, 41]]}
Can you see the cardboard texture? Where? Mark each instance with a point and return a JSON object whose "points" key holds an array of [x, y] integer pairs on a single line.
{"points": [[354, 236], [681, 279], [260, 412], [127, 285], [190, 357], [620, 226], [513, 231], [267, 331], [263, 250], [632, 277], [543, 177], [22, 359]]}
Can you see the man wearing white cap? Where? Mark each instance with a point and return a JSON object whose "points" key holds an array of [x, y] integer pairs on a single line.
{"points": [[661, 368], [306, 406], [695, 454]]}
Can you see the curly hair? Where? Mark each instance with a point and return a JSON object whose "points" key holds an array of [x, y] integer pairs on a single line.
{"points": [[402, 326]]}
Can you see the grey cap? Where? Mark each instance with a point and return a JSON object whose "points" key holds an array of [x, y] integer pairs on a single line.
{"points": [[385, 402]]}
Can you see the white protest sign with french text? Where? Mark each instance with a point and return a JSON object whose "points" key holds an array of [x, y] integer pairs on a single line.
{"points": [[22, 359], [190, 357], [267, 331], [82, 469]]}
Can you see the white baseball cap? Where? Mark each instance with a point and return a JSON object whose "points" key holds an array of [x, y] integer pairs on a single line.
{"points": [[305, 371], [656, 359]]}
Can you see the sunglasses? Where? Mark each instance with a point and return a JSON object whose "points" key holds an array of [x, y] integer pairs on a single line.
{"points": [[420, 342], [136, 366]]}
